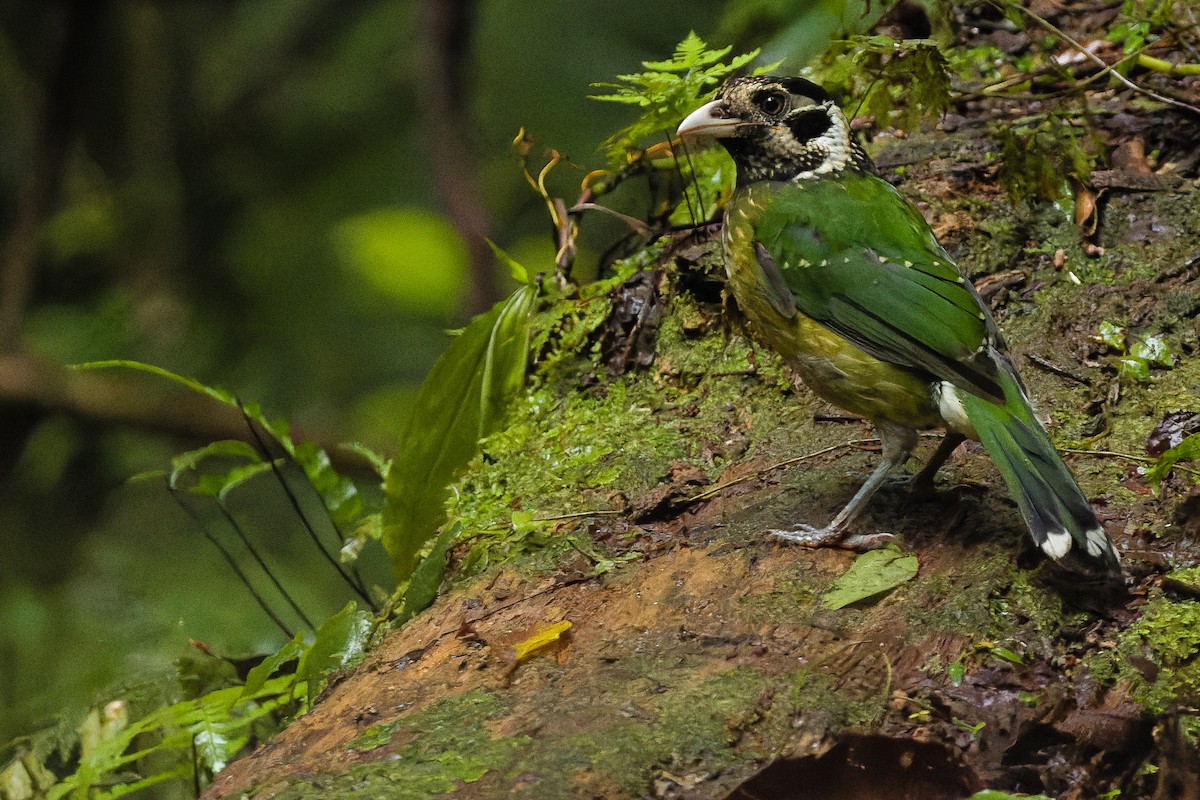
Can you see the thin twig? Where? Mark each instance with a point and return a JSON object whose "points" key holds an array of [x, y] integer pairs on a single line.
{"points": [[1127, 457], [576, 515], [1105, 67], [679, 171], [710, 491], [262, 564], [351, 581], [229, 559], [1056, 369], [1108, 454], [635, 224]]}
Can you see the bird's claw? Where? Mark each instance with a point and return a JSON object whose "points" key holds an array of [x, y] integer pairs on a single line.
{"points": [[810, 536]]}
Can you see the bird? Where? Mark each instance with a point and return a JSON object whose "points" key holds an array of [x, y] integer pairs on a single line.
{"points": [[842, 276]]}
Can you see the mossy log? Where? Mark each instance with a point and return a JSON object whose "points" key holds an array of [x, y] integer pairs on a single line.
{"points": [[629, 495]]}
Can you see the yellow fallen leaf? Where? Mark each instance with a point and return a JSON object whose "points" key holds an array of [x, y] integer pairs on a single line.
{"points": [[544, 638]]}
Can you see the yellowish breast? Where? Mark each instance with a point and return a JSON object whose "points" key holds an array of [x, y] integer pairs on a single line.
{"points": [[831, 366]]}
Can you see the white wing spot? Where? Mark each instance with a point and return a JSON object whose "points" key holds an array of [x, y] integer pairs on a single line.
{"points": [[907, 263], [1057, 544], [1098, 544]]}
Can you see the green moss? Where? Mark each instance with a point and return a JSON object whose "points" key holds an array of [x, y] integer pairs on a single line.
{"points": [[1168, 636], [791, 600], [989, 600], [435, 750], [1190, 576], [702, 723], [823, 704], [963, 601], [697, 724], [1027, 611], [578, 442]]}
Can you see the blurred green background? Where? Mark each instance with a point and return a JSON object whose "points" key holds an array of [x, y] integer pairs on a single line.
{"points": [[283, 198]]}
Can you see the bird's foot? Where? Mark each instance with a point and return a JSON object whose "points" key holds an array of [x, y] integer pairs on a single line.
{"points": [[811, 536]]}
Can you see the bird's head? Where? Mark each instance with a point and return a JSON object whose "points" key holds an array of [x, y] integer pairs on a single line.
{"points": [[777, 129]]}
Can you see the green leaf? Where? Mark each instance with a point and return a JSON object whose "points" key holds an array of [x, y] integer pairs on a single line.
{"points": [[1112, 336], [910, 74], [668, 90], [872, 573], [258, 675], [1134, 368], [220, 486], [1153, 350], [1187, 450], [338, 494], [369, 527], [1037, 160], [708, 177], [1004, 654], [995, 794], [339, 639], [186, 463], [208, 730], [972, 728], [220, 395], [463, 399], [427, 577], [515, 268], [378, 463]]}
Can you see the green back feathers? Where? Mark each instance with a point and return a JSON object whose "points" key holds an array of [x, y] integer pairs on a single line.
{"points": [[860, 260]]}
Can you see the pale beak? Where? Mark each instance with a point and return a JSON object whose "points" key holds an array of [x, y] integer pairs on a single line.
{"points": [[708, 122]]}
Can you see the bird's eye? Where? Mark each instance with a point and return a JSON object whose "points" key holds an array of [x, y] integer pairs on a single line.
{"points": [[773, 103]]}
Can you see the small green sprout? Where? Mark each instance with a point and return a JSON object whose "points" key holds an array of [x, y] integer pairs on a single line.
{"points": [[1135, 358]]}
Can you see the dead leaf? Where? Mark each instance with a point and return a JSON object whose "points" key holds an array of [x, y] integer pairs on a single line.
{"points": [[1087, 215], [551, 636]]}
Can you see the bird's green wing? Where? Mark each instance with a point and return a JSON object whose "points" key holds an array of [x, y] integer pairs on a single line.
{"points": [[860, 260]]}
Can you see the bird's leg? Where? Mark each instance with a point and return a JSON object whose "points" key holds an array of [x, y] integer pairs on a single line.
{"points": [[921, 484], [898, 443]]}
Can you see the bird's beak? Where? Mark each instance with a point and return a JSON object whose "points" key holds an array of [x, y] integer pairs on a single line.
{"points": [[709, 122]]}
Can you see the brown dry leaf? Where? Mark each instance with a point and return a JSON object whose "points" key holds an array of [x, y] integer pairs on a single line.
{"points": [[1087, 214], [1130, 156]]}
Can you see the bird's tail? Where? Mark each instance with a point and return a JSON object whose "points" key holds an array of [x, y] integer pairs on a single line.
{"points": [[1059, 517]]}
